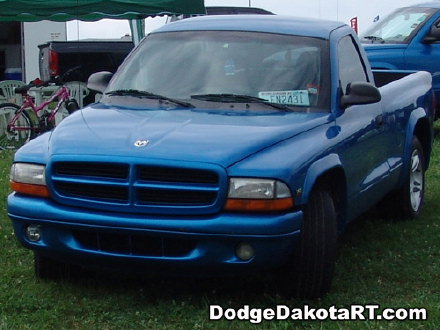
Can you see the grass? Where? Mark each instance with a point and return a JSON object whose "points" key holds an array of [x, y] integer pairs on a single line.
{"points": [[392, 264]]}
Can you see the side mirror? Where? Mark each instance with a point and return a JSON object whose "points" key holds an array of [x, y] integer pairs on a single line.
{"points": [[98, 81], [360, 93], [433, 35]]}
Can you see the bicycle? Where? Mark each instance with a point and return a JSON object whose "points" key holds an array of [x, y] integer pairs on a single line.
{"points": [[17, 125]]}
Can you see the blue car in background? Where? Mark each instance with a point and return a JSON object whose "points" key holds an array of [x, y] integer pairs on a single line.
{"points": [[408, 39]]}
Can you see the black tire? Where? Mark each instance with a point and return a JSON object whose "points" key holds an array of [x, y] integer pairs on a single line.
{"points": [[13, 139], [314, 260], [47, 268], [71, 105], [406, 202]]}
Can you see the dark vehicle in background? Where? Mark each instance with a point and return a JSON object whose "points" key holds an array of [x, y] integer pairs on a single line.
{"points": [[217, 10], [56, 57], [224, 10]]}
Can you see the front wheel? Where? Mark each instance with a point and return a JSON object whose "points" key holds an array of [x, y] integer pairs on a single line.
{"points": [[13, 136], [313, 262]]}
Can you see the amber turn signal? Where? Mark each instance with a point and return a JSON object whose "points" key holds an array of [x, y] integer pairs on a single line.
{"points": [[29, 189], [258, 205]]}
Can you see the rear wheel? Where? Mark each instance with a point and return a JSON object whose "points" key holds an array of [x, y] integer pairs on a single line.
{"points": [[412, 193], [314, 260], [406, 202], [13, 137]]}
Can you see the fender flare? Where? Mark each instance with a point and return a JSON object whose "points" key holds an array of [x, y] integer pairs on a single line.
{"points": [[317, 169], [415, 117]]}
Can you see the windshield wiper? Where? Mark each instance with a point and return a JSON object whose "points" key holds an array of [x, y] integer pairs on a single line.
{"points": [[374, 39], [229, 98], [149, 95]]}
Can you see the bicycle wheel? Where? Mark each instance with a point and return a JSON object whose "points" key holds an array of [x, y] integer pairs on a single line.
{"points": [[13, 138]]}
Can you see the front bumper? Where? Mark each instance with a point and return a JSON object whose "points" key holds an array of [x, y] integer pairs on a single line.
{"points": [[201, 244]]}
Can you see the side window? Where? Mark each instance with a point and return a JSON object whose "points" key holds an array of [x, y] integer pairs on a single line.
{"points": [[434, 32], [351, 66]]}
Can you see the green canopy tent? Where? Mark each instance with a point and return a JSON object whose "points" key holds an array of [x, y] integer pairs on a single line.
{"points": [[93, 10]]}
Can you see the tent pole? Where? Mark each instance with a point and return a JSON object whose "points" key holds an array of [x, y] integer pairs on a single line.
{"points": [[137, 30]]}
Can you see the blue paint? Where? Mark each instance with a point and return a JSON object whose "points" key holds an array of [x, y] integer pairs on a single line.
{"points": [[172, 190], [412, 53]]}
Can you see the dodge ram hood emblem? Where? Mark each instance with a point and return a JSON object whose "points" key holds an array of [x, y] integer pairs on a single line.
{"points": [[141, 143]]}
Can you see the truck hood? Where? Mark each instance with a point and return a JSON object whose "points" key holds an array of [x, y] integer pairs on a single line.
{"points": [[178, 134], [383, 47], [386, 56]]}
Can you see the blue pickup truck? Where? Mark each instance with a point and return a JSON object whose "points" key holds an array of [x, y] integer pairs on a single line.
{"points": [[225, 145], [407, 39]]}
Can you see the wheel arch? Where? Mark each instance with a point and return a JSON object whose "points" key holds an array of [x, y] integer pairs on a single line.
{"points": [[328, 172], [419, 126], [423, 133]]}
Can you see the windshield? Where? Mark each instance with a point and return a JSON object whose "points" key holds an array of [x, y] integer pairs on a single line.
{"points": [[229, 66], [399, 27]]}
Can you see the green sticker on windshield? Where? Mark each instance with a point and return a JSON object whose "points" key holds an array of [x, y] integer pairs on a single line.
{"points": [[298, 97]]}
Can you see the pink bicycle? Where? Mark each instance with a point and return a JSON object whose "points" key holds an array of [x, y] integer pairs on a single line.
{"points": [[19, 124]]}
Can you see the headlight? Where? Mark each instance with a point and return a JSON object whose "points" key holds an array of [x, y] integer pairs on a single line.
{"points": [[247, 194], [28, 173], [29, 179]]}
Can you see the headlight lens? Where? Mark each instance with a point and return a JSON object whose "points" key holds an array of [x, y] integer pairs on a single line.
{"points": [[248, 194], [28, 173], [29, 179], [257, 188]]}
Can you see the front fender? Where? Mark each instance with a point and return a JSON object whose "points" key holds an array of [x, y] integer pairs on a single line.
{"points": [[386, 56], [293, 164], [316, 170]]}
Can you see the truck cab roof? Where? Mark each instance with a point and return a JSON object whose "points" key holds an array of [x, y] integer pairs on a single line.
{"points": [[256, 23]]}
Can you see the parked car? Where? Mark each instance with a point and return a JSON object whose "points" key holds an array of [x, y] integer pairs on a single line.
{"points": [[56, 57], [407, 39], [225, 10], [225, 145]]}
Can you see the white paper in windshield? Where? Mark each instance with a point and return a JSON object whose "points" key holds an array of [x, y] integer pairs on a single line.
{"points": [[298, 97]]}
